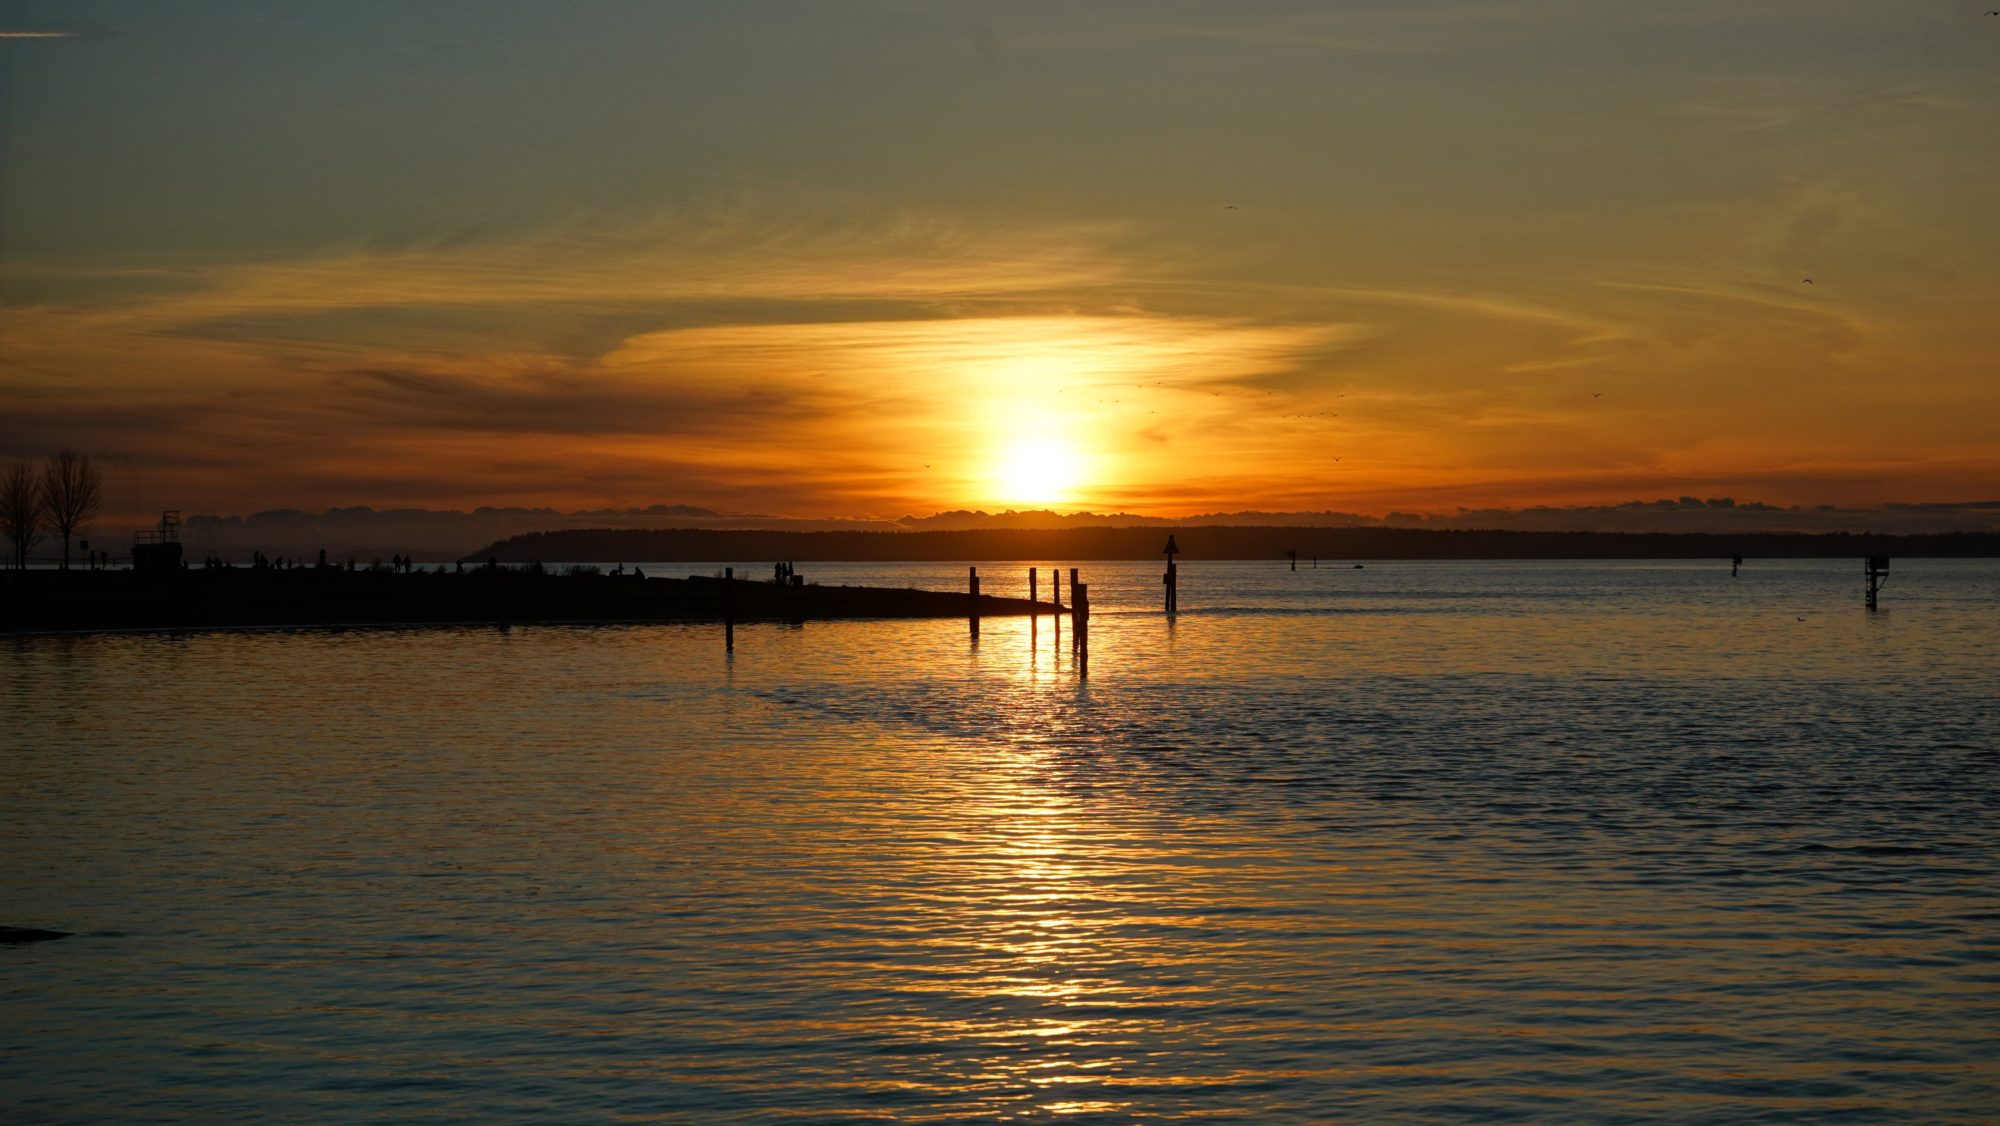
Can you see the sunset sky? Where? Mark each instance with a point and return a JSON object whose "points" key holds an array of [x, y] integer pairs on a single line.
{"points": [[850, 259]]}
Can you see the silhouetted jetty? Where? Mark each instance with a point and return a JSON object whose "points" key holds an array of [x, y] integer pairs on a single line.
{"points": [[211, 598]]}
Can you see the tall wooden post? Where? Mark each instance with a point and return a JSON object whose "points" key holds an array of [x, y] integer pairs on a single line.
{"points": [[1735, 565], [1172, 578], [1075, 624], [1055, 597], [728, 611], [1877, 572], [1034, 616], [972, 603], [1080, 611]]}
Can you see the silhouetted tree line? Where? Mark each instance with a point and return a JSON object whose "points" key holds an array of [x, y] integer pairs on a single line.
{"points": [[58, 497], [1064, 544]]}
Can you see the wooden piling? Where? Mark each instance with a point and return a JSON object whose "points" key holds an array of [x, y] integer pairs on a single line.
{"points": [[1055, 597], [1876, 570], [972, 603], [1077, 625], [1035, 618], [1080, 619], [728, 611]]}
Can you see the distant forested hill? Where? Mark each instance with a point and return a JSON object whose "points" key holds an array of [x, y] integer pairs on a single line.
{"points": [[1066, 544]]}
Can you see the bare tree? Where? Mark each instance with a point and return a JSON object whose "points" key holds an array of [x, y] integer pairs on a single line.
{"points": [[71, 491], [21, 509]]}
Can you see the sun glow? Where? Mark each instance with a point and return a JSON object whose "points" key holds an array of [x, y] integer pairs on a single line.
{"points": [[1038, 471]]}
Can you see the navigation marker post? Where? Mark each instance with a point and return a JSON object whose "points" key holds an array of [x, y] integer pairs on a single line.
{"points": [[1876, 570]]}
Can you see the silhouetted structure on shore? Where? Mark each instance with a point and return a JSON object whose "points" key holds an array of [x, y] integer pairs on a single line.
{"points": [[157, 551]]}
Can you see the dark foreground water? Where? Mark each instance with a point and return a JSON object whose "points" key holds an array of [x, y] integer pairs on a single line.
{"points": [[1422, 842]]}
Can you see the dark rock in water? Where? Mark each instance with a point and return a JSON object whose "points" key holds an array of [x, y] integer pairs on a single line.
{"points": [[29, 934]]}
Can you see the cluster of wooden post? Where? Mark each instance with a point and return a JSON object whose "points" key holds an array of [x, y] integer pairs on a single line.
{"points": [[1079, 611], [1079, 606]]}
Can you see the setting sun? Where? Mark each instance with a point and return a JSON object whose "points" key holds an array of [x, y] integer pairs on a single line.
{"points": [[1038, 471]]}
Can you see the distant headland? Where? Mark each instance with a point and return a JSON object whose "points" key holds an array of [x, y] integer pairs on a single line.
{"points": [[695, 545]]}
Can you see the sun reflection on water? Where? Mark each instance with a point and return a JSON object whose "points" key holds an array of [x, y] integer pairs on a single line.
{"points": [[1033, 892]]}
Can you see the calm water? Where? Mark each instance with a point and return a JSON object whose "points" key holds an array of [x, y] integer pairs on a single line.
{"points": [[1421, 842]]}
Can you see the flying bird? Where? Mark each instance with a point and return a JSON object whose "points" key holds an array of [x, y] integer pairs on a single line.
{"points": [[1808, 281]]}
